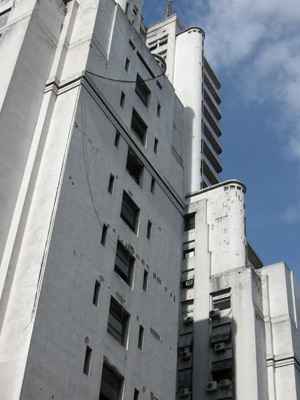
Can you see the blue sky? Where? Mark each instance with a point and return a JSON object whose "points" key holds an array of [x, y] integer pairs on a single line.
{"points": [[254, 48]]}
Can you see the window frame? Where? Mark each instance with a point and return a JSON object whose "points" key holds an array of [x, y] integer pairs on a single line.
{"points": [[111, 391], [139, 126], [134, 167], [118, 317], [130, 212], [124, 263], [142, 90]]}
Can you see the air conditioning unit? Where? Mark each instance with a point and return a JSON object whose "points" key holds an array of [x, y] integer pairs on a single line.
{"points": [[220, 346], [185, 355], [184, 392], [189, 283], [225, 383], [212, 386], [188, 320], [215, 313]]}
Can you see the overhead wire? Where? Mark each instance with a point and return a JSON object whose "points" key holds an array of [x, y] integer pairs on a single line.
{"points": [[190, 4], [125, 80], [154, 8]]}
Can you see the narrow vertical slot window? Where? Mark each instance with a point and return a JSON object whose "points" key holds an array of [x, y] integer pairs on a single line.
{"points": [[155, 145], [136, 394], [87, 360], [141, 337], [158, 109], [145, 281], [149, 230], [96, 293], [152, 185], [127, 63], [122, 99], [111, 184], [117, 139], [104, 235]]}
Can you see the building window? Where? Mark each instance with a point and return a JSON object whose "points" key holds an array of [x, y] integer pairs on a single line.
{"points": [[155, 145], [96, 293], [187, 278], [134, 167], [141, 337], [111, 385], [221, 299], [185, 341], [185, 379], [135, 10], [131, 44], [117, 139], [220, 333], [152, 188], [117, 321], [87, 360], [142, 90], [189, 253], [138, 126], [158, 109], [145, 280], [124, 263], [187, 308], [189, 222], [127, 63], [104, 235], [122, 99], [111, 183], [149, 230], [136, 394], [222, 370], [130, 212]]}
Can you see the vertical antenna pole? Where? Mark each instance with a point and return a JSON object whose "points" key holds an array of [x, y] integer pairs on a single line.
{"points": [[169, 9]]}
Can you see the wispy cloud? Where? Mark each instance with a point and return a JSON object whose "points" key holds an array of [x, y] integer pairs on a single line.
{"points": [[291, 214]]}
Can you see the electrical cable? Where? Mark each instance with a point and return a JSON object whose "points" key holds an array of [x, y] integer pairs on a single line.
{"points": [[154, 8], [186, 21]]}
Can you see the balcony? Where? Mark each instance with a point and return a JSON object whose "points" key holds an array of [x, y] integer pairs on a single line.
{"points": [[211, 119], [212, 103], [212, 156], [210, 172], [212, 88]]}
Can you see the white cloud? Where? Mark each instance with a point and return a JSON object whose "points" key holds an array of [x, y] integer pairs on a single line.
{"points": [[291, 215]]}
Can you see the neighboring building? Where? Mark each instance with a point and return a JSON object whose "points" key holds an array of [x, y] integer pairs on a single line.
{"points": [[125, 267]]}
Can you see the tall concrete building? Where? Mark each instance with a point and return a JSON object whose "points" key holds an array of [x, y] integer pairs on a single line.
{"points": [[125, 267]]}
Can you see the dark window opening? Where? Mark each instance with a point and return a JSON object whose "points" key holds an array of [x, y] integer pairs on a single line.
{"points": [[131, 44], [111, 385], [188, 253], [136, 394], [141, 337], [158, 109], [221, 299], [104, 235], [145, 281], [87, 360], [122, 99], [117, 139], [221, 333], [138, 126], [127, 63], [152, 185], [189, 222], [134, 167], [155, 145], [149, 230], [222, 370], [185, 379], [117, 321], [185, 341], [124, 263], [96, 293], [130, 212], [142, 90], [111, 184]]}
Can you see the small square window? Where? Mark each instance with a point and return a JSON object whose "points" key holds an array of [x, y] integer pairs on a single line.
{"points": [[134, 167], [111, 385], [117, 321], [111, 184], [124, 263], [189, 253], [221, 299], [138, 126], [117, 139], [130, 212], [141, 337], [96, 293], [145, 281], [142, 90], [189, 222], [87, 360], [104, 235]]}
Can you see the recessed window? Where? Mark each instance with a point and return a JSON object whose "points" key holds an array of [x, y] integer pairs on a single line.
{"points": [[187, 278], [185, 379], [185, 341], [222, 370], [158, 109], [117, 139], [152, 185], [189, 253], [149, 230], [189, 222], [220, 333], [127, 63], [138, 126], [104, 235], [124, 263], [145, 280], [221, 299], [87, 360], [111, 385], [130, 212], [136, 394], [122, 99], [96, 293], [155, 145], [141, 337], [111, 183], [131, 44], [134, 167], [117, 321], [187, 308], [135, 10], [142, 90]]}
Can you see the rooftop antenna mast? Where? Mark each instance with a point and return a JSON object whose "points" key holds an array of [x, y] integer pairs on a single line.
{"points": [[169, 9]]}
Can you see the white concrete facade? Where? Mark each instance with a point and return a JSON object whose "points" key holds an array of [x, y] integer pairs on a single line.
{"points": [[126, 272]]}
